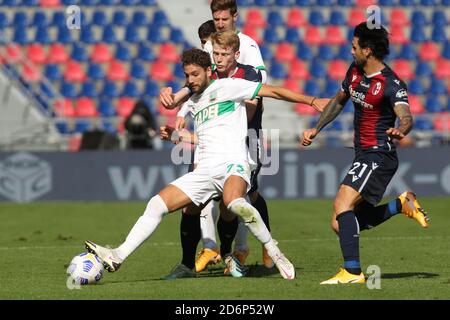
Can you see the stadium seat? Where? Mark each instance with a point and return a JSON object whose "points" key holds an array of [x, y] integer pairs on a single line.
{"points": [[176, 36], [418, 34], [57, 53], [316, 18], [403, 69], [415, 104], [100, 53], [298, 70], [253, 33], [325, 53], [266, 52], [278, 71], [52, 72], [21, 36], [446, 50], [284, 52], [106, 108], [292, 35], [68, 90], [317, 69], [14, 53], [20, 20], [123, 52], [304, 109], [337, 69], [333, 36], [99, 18], [397, 35], [337, 18], [244, 3], [85, 107], [109, 35], [132, 34], [439, 18], [160, 18], [89, 2], [293, 84], [138, 71], [275, 19], [36, 53], [423, 69], [429, 51], [284, 3], [64, 108], [263, 3], [139, 19], [398, 18], [40, 19], [87, 35], [74, 72], [178, 71], [416, 87], [312, 88], [387, 3], [175, 85], [59, 19], [129, 2], [271, 36], [4, 21], [313, 36], [168, 53], [365, 3], [442, 69], [125, 106], [117, 71], [344, 52], [433, 104], [79, 53], [119, 18], [419, 19], [304, 51], [160, 71], [151, 88], [130, 89], [295, 18], [88, 89], [109, 89], [442, 123], [437, 87], [64, 35], [95, 71], [145, 53], [356, 16], [439, 34], [331, 88], [31, 73], [423, 124], [154, 34], [408, 52]]}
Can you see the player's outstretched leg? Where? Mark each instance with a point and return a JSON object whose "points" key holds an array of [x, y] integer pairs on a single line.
{"points": [[412, 209], [109, 257]]}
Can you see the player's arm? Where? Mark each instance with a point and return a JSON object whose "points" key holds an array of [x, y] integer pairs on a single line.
{"points": [[171, 100], [281, 93], [250, 107], [405, 122], [169, 133], [331, 111]]}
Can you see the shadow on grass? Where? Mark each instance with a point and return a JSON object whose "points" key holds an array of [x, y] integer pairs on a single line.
{"points": [[425, 275]]}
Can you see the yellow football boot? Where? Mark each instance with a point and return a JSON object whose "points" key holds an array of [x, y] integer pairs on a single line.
{"points": [[412, 209], [267, 260], [207, 257], [343, 276]]}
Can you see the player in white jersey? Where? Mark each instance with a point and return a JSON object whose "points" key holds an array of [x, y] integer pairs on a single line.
{"points": [[223, 168]]}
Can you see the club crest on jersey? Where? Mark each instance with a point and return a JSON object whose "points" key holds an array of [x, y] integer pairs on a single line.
{"points": [[376, 88], [354, 77]]}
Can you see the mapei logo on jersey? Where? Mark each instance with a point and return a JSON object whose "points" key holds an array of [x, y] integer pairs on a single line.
{"points": [[24, 177], [376, 88], [401, 94]]}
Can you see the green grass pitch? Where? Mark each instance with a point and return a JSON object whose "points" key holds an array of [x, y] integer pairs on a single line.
{"points": [[38, 240]]}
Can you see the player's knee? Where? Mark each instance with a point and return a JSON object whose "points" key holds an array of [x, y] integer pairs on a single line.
{"points": [[156, 207], [335, 226], [340, 206]]}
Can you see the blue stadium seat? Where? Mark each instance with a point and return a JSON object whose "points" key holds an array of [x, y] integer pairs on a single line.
{"points": [[139, 19], [437, 87], [132, 34], [176, 36], [175, 85], [416, 87], [53, 72], [150, 3], [119, 18], [445, 2], [106, 108], [331, 88], [274, 19], [263, 3], [110, 90], [109, 2], [59, 19], [40, 19], [304, 52], [109, 35], [423, 69], [429, 2], [433, 104], [89, 2], [123, 52], [292, 35], [439, 34], [408, 51], [304, 3], [325, 3], [30, 3], [344, 52], [64, 35], [99, 18], [277, 70], [387, 3], [418, 34], [160, 18], [312, 88], [129, 2], [20, 20], [4, 22], [325, 52], [81, 126], [446, 50], [334, 142], [88, 89], [145, 53], [317, 69], [316, 18], [178, 71], [271, 35], [130, 89], [42, 35], [95, 71], [87, 35], [154, 34], [12, 3], [346, 3], [284, 3], [68, 90], [79, 52], [70, 2], [48, 90], [108, 126], [21, 36], [423, 123], [63, 127], [151, 88], [337, 18], [244, 3], [138, 71], [419, 19], [408, 3]]}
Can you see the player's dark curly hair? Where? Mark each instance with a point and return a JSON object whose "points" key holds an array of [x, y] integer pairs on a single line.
{"points": [[219, 5], [376, 39], [206, 29], [197, 57]]}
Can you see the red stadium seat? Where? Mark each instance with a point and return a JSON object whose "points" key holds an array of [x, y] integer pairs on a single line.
{"points": [[168, 53], [397, 35], [304, 109], [57, 54], [74, 72], [74, 143], [295, 18], [253, 33], [442, 69], [117, 72], [49, 3], [101, 53], [64, 108], [337, 69], [285, 52], [85, 107], [415, 104], [442, 122], [313, 36], [13, 53], [125, 106], [293, 85], [365, 3], [429, 51], [333, 36], [255, 19], [399, 18], [299, 70], [167, 112], [31, 73], [160, 71], [403, 69], [356, 16], [36, 53]]}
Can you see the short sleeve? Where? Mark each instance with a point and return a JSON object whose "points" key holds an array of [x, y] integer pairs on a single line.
{"points": [[241, 89], [398, 92]]}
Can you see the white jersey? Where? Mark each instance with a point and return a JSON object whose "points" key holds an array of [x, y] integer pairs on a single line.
{"points": [[249, 53], [221, 120]]}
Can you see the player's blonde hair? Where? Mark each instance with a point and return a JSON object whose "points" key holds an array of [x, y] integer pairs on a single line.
{"points": [[227, 39]]}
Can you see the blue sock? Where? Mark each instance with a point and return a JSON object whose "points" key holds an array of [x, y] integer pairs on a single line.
{"points": [[369, 216], [349, 240]]}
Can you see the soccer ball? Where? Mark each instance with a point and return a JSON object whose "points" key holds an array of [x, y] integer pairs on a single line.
{"points": [[85, 268]]}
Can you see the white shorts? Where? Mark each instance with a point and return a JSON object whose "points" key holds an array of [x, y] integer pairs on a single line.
{"points": [[207, 180]]}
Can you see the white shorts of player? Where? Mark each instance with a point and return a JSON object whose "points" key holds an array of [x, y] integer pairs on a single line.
{"points": [[208, 179]]}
